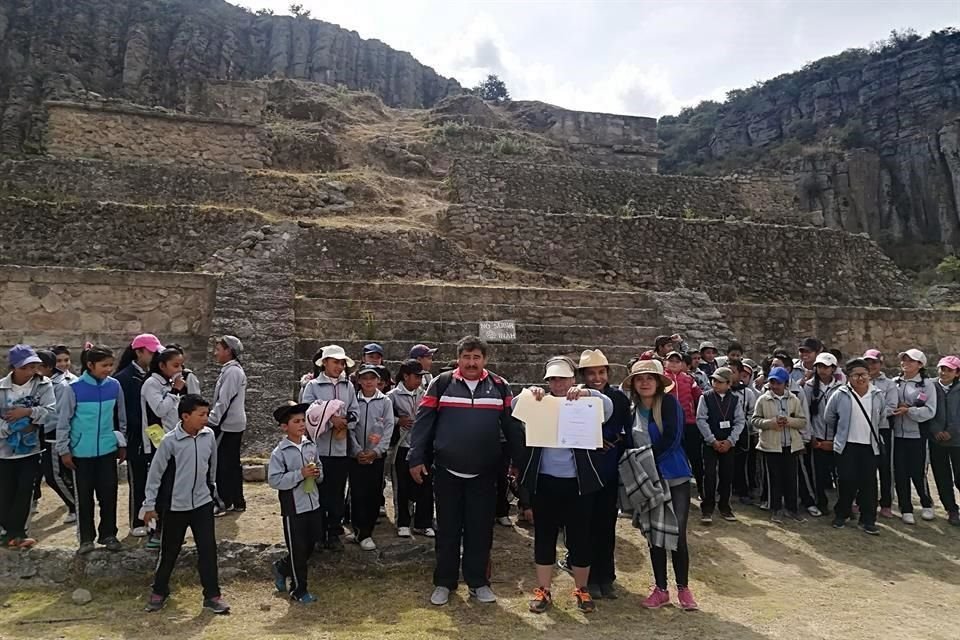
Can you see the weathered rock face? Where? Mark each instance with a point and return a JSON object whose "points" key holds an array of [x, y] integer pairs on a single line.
{"points": [[155, 52], [885, 118]]}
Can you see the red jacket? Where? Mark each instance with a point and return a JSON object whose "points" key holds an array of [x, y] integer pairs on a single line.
{"points": [[687, 393]]}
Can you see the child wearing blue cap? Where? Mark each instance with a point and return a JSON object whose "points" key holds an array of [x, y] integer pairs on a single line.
{"points": [[26, 399], [779, 417]]}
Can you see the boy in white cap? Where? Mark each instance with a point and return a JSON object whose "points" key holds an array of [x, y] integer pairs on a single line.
{"points": [[338, 443], [228, 419]]}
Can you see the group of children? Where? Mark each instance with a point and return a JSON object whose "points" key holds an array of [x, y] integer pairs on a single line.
{"points": [[146, 410], [785, 432], [782, 433]]}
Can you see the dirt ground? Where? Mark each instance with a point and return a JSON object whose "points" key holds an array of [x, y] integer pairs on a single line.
{"points": [[753, 579]]}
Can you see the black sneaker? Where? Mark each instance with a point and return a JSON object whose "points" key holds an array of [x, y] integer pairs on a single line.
{"points": [[218, 605], [595, 591], [240, 507], [155, 602], [333, 543], [728, 516], [954, 518], [112, 544], [870, 529], [706, 518], [608, 591], [839, 523], [584, 602]]}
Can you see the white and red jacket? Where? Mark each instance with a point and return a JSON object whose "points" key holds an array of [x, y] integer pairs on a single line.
{"points": [[687, 393]]}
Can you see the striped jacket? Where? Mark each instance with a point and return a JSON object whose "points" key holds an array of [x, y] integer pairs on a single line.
{"points": [[459, 430]]}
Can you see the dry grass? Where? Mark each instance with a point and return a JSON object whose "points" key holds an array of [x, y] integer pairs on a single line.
{"points": [[754, 581]]}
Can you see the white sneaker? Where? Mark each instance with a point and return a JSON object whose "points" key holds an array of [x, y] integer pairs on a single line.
{"points": [[367, 544], [440, 596], [70, 518], [350, 536], [136, 532], [505, 521], [814, 511], [404, 532], [483, 594], [927, 513], [908, 518], [428, 532]]}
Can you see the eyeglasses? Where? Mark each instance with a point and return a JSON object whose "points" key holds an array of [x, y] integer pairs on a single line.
{"points": [[859, 376]]}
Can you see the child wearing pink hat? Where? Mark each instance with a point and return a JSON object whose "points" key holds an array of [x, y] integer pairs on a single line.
{"points": [[945, 437]]}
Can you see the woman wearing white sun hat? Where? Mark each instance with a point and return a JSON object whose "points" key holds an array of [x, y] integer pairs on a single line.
{"points": [[916, 404]]}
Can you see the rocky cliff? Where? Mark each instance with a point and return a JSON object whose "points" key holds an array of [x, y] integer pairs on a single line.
{"points": [[155, 51], [870, 135]]}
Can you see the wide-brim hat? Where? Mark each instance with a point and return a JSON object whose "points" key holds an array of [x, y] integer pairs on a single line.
{"points": [[336, 352], [560, 367], [653, 367], [592, 358]]}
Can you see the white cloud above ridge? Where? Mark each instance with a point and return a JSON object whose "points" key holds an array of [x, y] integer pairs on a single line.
{"points": [[641, 58]]}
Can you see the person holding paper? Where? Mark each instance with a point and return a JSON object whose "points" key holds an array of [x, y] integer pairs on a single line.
{"points": [[562, 483], [658, 421]]}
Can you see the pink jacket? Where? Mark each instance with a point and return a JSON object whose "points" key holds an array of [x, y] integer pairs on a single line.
{"points": [[687, 393]]}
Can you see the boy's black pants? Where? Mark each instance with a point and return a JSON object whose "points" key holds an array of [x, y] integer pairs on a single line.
{"points": [[717, 476], [603, 534], [824, 465], [16, 493], [336, 470], [693, 447], [366, 489], [782, 479], [745, 465], [857, 479], [301, 533], [138, 464], [229, 469], [96, 476], [886, 468], [175, 523], [910, 465], [408, 491]]}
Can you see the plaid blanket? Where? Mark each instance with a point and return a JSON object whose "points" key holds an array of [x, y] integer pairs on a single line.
{"points": [[644, 494]]}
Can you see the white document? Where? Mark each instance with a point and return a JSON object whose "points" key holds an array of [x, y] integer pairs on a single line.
{"points": [[579, 424]]}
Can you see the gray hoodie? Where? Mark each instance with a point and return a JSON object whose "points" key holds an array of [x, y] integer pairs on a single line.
{"points": [[948, 416], [839, 409], [375, 423], [890, 397], [285, 474], [323, 388], [405, 403], [228, 410], [816, 426], [908, 392], [42, 401], [60, 381], [194, 462]]}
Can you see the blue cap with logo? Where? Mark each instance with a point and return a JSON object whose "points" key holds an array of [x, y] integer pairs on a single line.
{"points": [[23, 354]]}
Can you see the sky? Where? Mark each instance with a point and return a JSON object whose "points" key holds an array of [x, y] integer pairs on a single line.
{"points": [[639, 57]]}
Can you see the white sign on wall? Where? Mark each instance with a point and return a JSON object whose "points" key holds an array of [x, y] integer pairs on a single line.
{"points": [[498, 331]]}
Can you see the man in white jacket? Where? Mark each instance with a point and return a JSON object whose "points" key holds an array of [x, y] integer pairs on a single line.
{"points": [[228, 419]]}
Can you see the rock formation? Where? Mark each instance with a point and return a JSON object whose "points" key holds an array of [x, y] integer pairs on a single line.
{"points": [[154, 53], [871, 137]]}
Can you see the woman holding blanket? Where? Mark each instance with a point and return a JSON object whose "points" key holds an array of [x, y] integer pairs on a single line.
{"points": [[658, 430], [562, 483]]}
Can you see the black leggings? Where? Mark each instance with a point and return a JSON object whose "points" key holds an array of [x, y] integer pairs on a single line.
{"points": [[680, 495], [557, 503]]}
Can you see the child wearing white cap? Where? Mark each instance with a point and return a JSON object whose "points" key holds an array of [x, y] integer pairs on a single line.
{"points": [[945, 437], [916, 404], [818, 389]]}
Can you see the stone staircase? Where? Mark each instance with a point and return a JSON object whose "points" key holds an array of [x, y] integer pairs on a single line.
{"points": [[548, 322]]}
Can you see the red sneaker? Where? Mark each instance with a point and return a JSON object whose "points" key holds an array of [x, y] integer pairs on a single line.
{"points": [[657, 598], [685, 596]]}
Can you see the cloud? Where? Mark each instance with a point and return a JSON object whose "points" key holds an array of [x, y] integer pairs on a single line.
{"points": [[486, 55]]}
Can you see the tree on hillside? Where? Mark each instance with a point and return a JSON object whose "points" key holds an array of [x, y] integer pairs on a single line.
{"points": [[298, 10], [493, 89]]}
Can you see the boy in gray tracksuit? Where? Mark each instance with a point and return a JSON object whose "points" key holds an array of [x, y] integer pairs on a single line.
{"points": [[335, 446], [182, 482], [373, 432], [406, 397], [295, 472]]}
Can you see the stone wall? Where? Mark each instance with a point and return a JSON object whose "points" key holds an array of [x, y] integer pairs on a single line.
{"points": [[44, 306], [166, 184], [761, 327], [116, 132], [227, 99], [664, 253], [602, 139], [569, 189]]}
